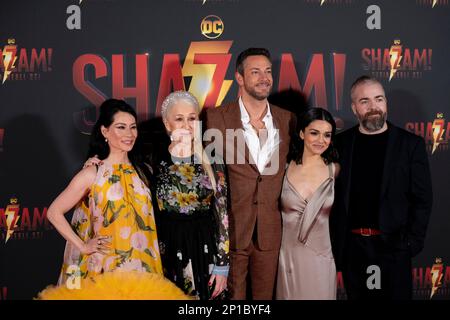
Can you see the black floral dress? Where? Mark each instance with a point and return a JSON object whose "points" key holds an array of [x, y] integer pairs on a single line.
{"points": [[192, 224]]}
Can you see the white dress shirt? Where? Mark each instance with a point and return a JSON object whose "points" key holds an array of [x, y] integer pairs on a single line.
{"points": [[260, 152]]}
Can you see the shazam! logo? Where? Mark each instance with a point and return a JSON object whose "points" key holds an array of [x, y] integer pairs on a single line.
{"points": [[24, 63], [397, 61], [22, 223], [436, 134], [212, 27], [432, 281]]}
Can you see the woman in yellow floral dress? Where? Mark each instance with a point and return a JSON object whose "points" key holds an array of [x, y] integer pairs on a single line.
{"points": [[113, 226]]}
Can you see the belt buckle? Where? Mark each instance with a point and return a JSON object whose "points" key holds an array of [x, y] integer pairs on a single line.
{"points": [[365, 234]]}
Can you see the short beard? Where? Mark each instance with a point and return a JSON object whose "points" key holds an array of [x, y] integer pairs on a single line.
{"points": [[256, 95], [372, 124]]}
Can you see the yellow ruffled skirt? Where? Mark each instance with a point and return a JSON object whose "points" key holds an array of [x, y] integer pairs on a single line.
{"points": [[118, 286]]}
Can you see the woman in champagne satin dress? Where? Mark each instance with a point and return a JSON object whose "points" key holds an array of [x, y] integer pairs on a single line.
{"points": [[306, 268]]}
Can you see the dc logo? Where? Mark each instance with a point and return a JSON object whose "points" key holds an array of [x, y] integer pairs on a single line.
{"points": [[212, 27]]}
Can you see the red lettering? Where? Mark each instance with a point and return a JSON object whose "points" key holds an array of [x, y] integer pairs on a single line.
{"points": [[38, 60], [410, 127], [428, 278], [429, 134], [365, 55], [23, 61], [339, 71], [420, 59], [85, 87], [340, 281], [446, 282], [288, 74], [3, 225], [25, 221], [376, 59], [406, 63], [315, 78], [447, 133], [171, 79], [386, 59], [39, 219], [140, 92], [12, 51], [420, 129], [417, 275]]}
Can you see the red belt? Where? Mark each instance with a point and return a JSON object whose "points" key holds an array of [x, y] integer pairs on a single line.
{"points": [[367, 232]]}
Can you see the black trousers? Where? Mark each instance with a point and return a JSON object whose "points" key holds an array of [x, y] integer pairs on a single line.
{"points": [[394, 266]]}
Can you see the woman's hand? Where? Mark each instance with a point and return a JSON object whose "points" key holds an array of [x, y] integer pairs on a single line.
{"points": [[221, 284], [92, 161], [181, 145], [182, 136], [98, 244]]}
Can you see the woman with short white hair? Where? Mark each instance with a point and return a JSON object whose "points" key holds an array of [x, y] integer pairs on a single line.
{"points": [[192, 220]]}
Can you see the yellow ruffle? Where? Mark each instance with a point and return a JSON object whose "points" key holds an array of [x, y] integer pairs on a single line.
{"points": [[118, 286]]}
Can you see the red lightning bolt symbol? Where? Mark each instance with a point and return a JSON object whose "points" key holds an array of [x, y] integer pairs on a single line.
{"points": [[12, 217], [207, 63], [438, 131], [396, 56], [9, 60], [436, 276]]}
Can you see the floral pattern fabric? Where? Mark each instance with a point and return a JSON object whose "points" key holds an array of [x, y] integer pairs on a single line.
{"points": [[119, 206], [185, 189]]}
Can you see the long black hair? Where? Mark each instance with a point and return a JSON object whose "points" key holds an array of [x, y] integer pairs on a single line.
{"points": [[98, 146], [297, 144]]}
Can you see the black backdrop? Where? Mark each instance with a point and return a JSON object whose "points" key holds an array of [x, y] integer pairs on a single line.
{"points": [[71, 55]]}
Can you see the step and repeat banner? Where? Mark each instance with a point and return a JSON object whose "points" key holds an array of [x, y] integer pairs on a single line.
{"points": [[60, 59]]}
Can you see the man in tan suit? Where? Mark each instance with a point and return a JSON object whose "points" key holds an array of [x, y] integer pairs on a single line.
{"points": [[256, 141]]}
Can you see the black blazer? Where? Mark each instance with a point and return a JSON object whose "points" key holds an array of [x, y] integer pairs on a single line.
{"points": [[406, 192]]}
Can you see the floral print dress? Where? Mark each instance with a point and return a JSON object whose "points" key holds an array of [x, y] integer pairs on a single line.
{"points": [[192, 224], [119, 206]]}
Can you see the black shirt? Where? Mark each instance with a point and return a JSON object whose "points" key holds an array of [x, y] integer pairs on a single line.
{"points": [[366, 173]]}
